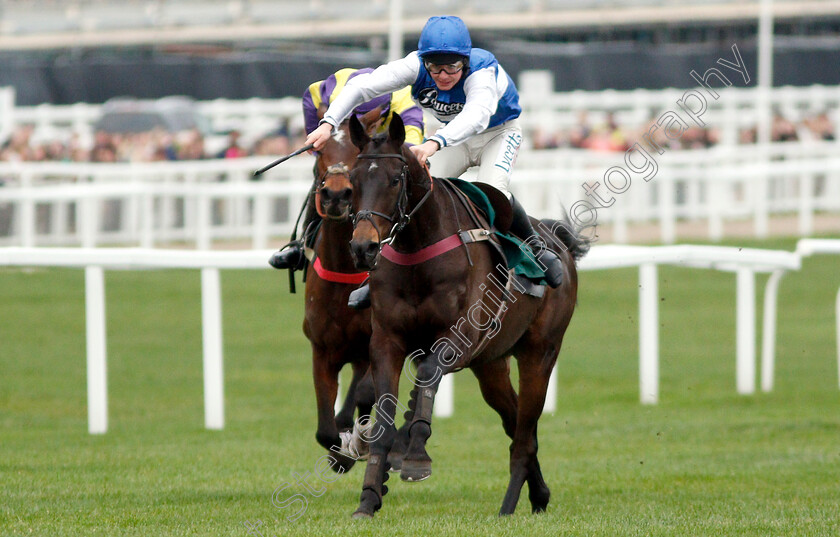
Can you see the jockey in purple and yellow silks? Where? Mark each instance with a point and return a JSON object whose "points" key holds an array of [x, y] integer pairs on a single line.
{"points": [[399, 102], [324, 92]]}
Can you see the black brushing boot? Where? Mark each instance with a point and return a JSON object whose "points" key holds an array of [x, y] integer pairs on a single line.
{"points": [[522, 228]]}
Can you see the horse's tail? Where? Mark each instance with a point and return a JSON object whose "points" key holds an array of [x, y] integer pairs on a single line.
{"points": [[571, 237]]}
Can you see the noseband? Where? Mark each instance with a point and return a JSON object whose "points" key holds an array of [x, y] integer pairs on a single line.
{"points": [[400, 218]]}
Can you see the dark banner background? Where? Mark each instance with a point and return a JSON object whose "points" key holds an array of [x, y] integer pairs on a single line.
{"points": [[94, 77]]}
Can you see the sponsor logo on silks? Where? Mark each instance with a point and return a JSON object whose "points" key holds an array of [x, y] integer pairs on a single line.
{"points": [[428, 99], [508, 156]]}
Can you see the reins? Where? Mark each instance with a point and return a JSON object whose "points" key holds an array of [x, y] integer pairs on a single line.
{"points": [[399, 218]]}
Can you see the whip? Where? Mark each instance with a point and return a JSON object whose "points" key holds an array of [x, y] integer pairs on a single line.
{"points": [[283, 159]]}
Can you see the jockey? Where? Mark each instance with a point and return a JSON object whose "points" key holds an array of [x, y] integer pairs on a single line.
{"points": [[467, 90], [325, 92]]}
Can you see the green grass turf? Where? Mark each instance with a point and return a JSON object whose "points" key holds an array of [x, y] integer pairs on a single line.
{"points": [[704, 461]]}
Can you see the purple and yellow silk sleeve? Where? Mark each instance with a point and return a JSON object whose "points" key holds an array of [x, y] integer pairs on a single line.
{"points": [[411, 114]]}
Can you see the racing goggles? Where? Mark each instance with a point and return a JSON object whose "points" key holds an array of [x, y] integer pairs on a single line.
{"points": [[449, 68]]}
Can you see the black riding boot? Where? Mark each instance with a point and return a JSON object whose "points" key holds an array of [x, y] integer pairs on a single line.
{"points": [[292, 254], [359, 299], [522, 228]]}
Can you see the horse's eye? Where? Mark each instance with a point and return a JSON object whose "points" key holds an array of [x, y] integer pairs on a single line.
{"points": [[395, 180]]}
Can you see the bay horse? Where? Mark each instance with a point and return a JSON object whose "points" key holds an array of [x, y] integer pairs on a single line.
{"points": [[338, 334], [436, 308]]}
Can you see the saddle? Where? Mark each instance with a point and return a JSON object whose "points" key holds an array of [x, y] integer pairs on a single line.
{"points": [[481, 201], [490, 209]]}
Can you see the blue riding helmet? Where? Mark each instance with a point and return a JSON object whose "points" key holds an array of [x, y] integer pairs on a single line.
{"points": [[444, 35]]}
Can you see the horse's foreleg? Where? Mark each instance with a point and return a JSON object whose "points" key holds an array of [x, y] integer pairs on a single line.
{"points": [[325, 376], [358, 395], [534, 372], [387, 358], [416, 463]]}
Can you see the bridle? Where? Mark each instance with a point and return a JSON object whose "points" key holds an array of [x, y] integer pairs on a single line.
{"points": [[399, 218]]}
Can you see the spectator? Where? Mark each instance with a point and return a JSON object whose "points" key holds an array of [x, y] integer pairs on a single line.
{"points": [[104, 148], [233, 149], [820, 127], [782, 129], [191, 146]]}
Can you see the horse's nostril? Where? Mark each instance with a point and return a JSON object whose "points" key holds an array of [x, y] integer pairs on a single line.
{"points": [[364, 253], [345, 194]]}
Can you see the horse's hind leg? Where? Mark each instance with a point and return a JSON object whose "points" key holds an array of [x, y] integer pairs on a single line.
{"points": [[395, 456], [494, 381], [534, 371], [538, 491]]}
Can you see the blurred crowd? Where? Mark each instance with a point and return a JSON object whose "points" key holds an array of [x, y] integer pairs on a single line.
{"points": [[159, 145], [610, 136], [150, 146]]}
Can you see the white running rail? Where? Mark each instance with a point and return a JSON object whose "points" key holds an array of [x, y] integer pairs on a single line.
{"points": [[744, 262], [806, 248], [66, 204]]}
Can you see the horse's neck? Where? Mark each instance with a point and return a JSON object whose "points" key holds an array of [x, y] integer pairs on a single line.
{"points": [[433, 221], [331, 247]]}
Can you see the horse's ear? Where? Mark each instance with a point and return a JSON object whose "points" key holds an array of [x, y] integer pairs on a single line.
{"points": [[372, 120], [396, 130], [322, 111], [358, 134]]}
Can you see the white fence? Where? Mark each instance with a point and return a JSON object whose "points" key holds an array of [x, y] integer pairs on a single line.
{"points": [[144, 204], [806, 248], [94, 204], [744, 262]]}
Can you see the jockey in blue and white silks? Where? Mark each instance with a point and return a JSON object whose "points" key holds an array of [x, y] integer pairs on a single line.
{"points": [[466, 89], [472, 95]]}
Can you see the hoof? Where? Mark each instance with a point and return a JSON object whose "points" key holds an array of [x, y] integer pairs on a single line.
{"points": [[343, 463], [395, 462], [369, 503], [413, 471]]}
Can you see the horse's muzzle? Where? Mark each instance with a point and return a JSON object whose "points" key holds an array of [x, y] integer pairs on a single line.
{"points": [[365, 253], [336, 204]]}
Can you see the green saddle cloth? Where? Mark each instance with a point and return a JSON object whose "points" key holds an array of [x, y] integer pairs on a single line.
{"points": [[522, 263]]}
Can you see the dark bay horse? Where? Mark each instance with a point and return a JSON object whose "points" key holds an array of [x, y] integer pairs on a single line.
{"points": [[338, 334], [447, 311]]}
